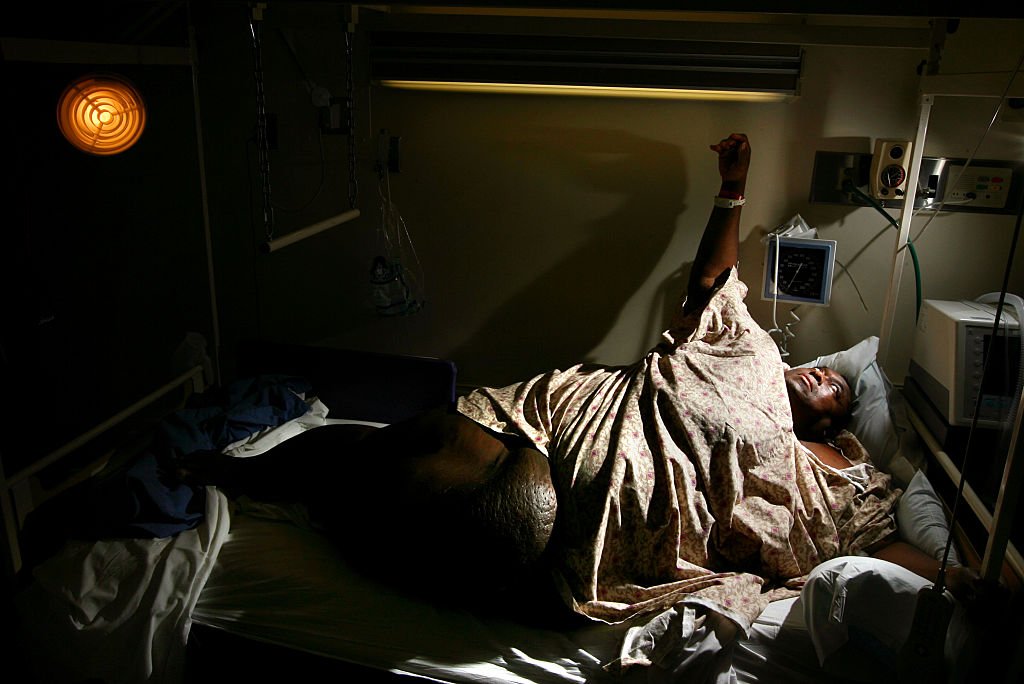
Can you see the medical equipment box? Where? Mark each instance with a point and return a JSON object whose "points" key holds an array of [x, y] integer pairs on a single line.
{"points": [[959, 364]]}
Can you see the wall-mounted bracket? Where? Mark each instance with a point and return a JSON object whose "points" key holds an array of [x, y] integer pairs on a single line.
{"points": [[335, 115], [998, 185], [388, 153]]}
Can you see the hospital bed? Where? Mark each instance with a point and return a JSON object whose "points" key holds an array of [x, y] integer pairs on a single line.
{"points": [[246, 586]]}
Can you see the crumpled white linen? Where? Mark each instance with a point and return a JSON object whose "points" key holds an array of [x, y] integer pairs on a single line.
{"points": [[686, 643], [119, 610]]}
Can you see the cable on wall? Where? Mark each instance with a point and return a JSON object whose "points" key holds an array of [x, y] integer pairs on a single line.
{"points": [[895, 224], [992, 120], [396, 288], [262, 143], [272, 243]]}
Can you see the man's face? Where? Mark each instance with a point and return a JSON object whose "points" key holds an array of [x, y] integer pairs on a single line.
{"points": [[817, 396]]}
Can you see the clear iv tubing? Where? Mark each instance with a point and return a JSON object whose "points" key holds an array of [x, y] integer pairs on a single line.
{"points": [[936, 210], [940, 581], [392, 220], [991, 122], [785, 332], [910, 243]]}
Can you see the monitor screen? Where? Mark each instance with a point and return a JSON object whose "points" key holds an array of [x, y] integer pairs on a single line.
{"points": [[1002, 372]]}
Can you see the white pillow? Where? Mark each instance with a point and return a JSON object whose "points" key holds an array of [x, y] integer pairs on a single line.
{"points": [[921, 519], [872, 420], [920, 516]]}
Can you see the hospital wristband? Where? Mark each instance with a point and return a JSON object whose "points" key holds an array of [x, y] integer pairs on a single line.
{"points": [[728, 200]]}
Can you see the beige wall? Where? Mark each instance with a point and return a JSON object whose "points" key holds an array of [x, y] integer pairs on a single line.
{"points": [[550, 230], [557, 230]]}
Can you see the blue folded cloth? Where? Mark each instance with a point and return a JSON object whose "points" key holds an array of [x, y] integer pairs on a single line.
{"points": [[216, 419], [146, 499]]}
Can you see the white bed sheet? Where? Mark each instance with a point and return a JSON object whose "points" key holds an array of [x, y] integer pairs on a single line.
{"points": [[276, 580], [260, 572], [119, 610], [279, 583]]}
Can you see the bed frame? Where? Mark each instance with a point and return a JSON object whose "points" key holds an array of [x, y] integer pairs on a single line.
{"points": [[362, 385], [389, 388], [24, 492], [990, 85]]}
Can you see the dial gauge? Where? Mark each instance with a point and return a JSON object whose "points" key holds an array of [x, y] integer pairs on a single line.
{"points": [[804, 272], [893, 176]]}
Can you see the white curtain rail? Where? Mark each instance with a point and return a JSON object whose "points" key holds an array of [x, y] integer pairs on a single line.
{"points": [[309, 231]]}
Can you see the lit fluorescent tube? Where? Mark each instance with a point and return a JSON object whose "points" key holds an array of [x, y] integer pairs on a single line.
{"points": [[600, 91]]}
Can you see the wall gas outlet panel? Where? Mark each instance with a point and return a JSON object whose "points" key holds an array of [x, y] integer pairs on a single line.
{"points": [[981, 187], [988, 186], [889, 169]]}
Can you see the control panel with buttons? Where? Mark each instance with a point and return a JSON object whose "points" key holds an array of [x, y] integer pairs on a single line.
{"points": [[983, 186]]}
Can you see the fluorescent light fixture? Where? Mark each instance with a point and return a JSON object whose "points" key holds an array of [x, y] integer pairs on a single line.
{"points": [[585, 65], [592, 91]]}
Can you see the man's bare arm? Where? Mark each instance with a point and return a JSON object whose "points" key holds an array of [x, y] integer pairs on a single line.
{"points": [[718, 251], [963, 582]]}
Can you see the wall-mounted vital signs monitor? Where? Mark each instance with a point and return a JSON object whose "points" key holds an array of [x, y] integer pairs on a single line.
{"points": [[799, 270]]}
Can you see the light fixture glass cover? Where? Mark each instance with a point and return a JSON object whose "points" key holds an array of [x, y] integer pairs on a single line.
{"points": [[101, 114], [591, 91], [584, 65]]}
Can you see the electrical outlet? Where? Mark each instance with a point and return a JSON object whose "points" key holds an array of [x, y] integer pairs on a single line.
{"points": [[388, 152], [834, 172], [394, 154], [849, 175], [845, 177], [889, 169], [1012, 111], [852, 172]]}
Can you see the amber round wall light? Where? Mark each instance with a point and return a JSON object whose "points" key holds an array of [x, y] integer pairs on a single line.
{"points": [[101, 114]]}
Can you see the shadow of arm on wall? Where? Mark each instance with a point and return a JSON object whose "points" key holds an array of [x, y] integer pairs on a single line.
{"points": [[568, 307]]}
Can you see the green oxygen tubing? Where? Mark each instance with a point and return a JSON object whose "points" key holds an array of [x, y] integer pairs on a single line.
{"points": [[910, 245]]}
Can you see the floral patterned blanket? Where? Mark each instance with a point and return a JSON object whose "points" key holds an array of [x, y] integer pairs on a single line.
{"points": [[679, 478]]}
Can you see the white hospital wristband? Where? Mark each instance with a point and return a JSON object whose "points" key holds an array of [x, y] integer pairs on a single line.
{"points": [[729, 203]]}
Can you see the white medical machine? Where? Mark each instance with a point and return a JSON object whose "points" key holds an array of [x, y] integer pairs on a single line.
{"points": [[958, 364]]}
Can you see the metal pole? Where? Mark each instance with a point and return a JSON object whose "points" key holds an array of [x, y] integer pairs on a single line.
{"points": [[207, 236], [900, 251]]}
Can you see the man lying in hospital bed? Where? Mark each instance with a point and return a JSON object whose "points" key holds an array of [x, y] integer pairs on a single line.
{"points": [[706, 477]]}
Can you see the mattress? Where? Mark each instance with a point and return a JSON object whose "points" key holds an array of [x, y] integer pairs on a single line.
{"points": [[121, 610], [278, 580], [281, 582]]}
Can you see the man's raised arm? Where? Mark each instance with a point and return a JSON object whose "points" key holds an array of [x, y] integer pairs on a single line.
{"points": [[719, 246]]}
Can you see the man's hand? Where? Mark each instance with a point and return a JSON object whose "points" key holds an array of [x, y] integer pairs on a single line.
{"points": [[733, 157], [719, 246], [980, 597]]}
